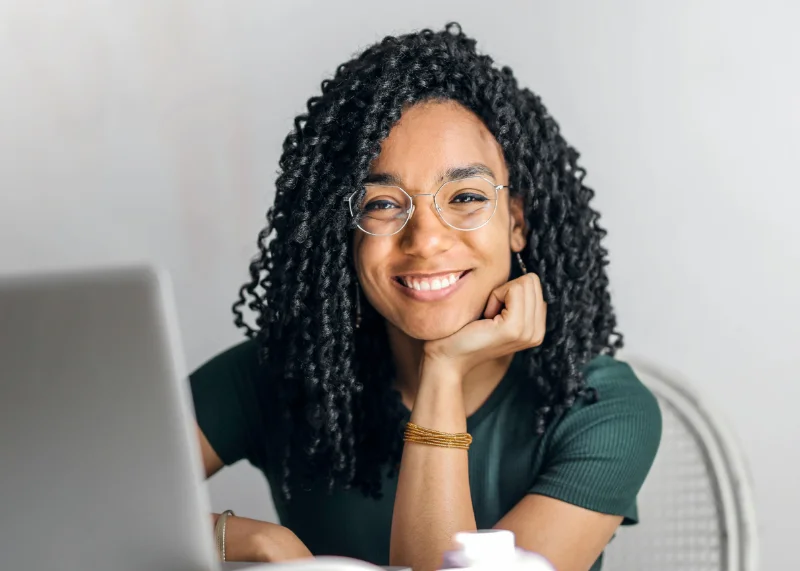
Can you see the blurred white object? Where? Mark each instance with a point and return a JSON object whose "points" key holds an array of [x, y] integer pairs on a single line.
{"points": [[492, 549], [696, 505]]}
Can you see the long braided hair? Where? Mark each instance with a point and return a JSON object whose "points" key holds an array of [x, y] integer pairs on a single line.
{"points": [[340, 417]]}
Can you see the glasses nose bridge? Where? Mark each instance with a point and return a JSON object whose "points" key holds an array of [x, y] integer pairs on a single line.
{"points": [[433, 201], [412, 209]]}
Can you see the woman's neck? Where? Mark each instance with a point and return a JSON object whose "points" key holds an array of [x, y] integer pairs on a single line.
{"points": [[408, 354]]}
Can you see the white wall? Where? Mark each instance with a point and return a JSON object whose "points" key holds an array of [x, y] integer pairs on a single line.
{"points": [[151, 130]]}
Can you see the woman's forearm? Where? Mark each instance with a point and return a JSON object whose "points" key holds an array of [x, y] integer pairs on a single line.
{"points": [[433, 497], [260, 541]]}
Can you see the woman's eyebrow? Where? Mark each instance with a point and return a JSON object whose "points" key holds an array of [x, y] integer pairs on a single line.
{"points": [[384, 178], [466, 171], [453, 173]]}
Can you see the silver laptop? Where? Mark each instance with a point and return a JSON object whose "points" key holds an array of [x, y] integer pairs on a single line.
{"points": [[99, 468]]}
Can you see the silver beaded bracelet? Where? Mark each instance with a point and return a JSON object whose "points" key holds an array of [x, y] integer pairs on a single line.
{"points": [[219, 532]]}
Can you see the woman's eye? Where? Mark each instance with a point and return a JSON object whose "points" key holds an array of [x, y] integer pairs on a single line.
{"points": [[380, 205], [466, 197]]}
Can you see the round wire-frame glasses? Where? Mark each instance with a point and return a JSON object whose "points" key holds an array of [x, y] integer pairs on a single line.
{"points": [[408, 212]]}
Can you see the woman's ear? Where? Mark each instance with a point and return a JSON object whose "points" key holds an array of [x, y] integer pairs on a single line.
{"points": [[518, 230]]}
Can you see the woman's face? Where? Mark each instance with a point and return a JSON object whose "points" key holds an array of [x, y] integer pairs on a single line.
{"points": [[397, 272]]}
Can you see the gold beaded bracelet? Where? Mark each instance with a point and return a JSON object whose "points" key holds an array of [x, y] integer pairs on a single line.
{"points": [[419, 435]]}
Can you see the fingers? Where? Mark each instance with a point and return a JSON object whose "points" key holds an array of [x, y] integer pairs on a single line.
{"points": [[540, 314], [519, 310], [498, 300], [495, 303], [507, 308], [535, 312], [531, 307], [515, 310]]}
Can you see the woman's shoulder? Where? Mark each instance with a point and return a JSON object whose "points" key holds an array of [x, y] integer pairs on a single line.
{"points": [[228, 383], [614, 379], [624, 408], [240, 361]]}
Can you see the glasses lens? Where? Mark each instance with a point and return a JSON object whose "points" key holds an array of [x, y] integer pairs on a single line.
{"points": [[468, 203], [383, 210]]}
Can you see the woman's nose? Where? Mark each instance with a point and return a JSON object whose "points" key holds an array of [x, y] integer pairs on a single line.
{"points": [[426, 234]]}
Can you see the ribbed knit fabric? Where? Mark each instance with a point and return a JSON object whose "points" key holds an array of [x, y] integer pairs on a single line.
{"points": [[595, 456]]}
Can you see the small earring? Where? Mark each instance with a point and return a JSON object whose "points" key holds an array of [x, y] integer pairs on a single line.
{"points": [[521, 264], [358, 306]]}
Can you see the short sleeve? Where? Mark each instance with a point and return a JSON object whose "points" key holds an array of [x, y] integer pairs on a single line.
{"points": [[600, 453], [226, 404]]}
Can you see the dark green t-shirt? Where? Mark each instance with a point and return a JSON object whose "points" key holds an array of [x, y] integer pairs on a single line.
{"points": [[595, 456]]}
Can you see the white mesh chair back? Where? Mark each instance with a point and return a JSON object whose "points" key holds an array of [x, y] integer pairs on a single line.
{"points": [[695, 508]]}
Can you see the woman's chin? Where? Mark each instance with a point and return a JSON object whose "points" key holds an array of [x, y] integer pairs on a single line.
{"points": [[432, 329]]}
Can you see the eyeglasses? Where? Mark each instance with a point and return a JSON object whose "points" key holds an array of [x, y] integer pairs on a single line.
{"points": [[464, 204]]}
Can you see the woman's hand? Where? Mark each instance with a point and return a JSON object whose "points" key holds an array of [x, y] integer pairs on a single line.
{"points": [[260, 541], [514, 319]]}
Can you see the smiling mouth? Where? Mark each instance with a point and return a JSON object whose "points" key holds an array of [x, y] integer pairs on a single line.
{"points": [[433, 282]]}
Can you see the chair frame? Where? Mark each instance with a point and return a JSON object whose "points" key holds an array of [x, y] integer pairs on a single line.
{"points": [[730, 481]]}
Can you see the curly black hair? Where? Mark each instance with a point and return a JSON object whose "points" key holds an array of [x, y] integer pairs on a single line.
{"points": [[342, 419]]}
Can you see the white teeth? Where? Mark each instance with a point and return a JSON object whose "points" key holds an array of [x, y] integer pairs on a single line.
{"points": [[430, 285]]}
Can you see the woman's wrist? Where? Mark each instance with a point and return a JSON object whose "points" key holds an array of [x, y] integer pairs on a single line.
{"points": [[260, 541], [439, 403], [280, 543], [265, 545], [440, 371]]}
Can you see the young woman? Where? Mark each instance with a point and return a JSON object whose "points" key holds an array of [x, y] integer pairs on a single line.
{"points": [[431, 269]]}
